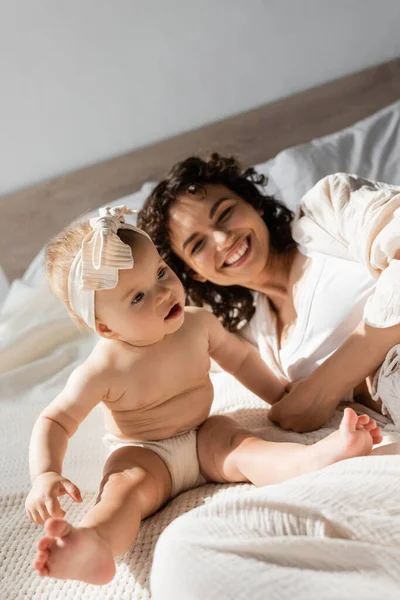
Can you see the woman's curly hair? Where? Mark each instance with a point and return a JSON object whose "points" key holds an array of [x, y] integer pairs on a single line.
{"points": [[233, 305]]}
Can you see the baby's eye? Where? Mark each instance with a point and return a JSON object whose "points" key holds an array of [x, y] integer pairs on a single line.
{"points": [[162, 272], [198, 246], [225, 213], [137, 298]]}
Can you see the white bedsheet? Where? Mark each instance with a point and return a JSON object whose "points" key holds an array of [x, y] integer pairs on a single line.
{"points": [[315, 537]]}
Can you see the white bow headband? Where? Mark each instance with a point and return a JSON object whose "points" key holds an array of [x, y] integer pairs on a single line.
{"points": [[97, 263]]}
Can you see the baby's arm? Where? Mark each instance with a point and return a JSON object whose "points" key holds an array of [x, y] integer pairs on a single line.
{"points": [[55, 425], [240, 359]]}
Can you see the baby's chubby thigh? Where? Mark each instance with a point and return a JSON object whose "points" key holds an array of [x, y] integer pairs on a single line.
{"points": [[218, 439], [141, 471]]}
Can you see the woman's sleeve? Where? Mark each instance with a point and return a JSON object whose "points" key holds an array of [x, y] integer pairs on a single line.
{"points": [[357, 219]]}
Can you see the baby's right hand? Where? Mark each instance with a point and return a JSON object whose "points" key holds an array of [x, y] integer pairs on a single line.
{"points": [[42, 501]]}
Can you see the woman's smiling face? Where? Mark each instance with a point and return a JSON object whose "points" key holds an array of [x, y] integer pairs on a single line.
{"points": [[221, 237]]}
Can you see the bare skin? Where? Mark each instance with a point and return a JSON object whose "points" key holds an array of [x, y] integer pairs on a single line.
{"points": [[145, 331]]}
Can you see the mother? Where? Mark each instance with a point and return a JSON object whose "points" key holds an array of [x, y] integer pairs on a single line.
{"points": [[319, 293]]}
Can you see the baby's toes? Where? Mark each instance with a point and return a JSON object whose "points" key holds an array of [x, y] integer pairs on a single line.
{"points": [[41, 559], [370, 425], [40, 563], [42, 569], [45, 543], [43, 549], [376, 435], [362, 421]]}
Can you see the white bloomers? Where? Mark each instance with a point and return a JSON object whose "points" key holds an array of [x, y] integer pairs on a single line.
{"points": [[179, 453], [386, 385]]}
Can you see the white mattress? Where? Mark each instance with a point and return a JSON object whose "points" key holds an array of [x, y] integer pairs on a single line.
{"points": [[318, 536]]}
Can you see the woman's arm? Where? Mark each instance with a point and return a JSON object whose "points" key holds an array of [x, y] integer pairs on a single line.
{"points": [[310, 402], [359, 356]]}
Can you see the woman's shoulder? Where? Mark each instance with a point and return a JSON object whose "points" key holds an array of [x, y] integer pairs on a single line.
{"points": [[337, 190], [332, 214]]}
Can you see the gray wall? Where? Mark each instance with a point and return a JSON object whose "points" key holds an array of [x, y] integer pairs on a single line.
{"points": [[84, 80]]}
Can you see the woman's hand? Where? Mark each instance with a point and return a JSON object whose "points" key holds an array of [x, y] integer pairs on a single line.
{"points": [[310, 402], [42, 501], [302, 408]]}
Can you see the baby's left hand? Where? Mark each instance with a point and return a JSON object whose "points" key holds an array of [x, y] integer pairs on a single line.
{"points": [[301, 408]]}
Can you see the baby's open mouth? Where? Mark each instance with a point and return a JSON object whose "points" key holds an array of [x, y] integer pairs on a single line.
{"points": [[175, 312]]}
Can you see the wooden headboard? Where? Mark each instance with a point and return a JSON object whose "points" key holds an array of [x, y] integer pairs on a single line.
{"points": [[31, 216]]}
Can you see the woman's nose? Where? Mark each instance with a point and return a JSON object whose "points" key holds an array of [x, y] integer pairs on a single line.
{"points": [[221, 238]]}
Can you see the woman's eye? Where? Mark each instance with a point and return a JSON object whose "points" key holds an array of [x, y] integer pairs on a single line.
{"points": [[137, 298], [225, 213], [162, 272], [198, 245]]}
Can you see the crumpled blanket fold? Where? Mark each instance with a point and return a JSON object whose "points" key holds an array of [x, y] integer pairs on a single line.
{"points": [[357, 219]]}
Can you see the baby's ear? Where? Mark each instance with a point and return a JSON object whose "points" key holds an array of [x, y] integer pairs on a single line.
{"points": [[190, 273], [104, 331], [194, 275], [197, 277]]}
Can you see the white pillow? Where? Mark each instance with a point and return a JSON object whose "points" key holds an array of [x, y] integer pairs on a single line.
{"points": [[369, 148]]}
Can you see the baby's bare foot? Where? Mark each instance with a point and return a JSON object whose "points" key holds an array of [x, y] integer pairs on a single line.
{"points": [[355, 437], [358, 434], [73, 553]]}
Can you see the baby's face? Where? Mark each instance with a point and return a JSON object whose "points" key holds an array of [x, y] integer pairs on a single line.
{"points": [[147, 303]]}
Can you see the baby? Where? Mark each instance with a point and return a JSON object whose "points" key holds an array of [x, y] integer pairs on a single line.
{"points": [[150, 371]]}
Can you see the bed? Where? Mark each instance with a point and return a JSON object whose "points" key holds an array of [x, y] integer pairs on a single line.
{"points": [[333, 534]]}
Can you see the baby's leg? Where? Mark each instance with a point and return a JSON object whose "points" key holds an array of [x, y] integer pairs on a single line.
{"points": [[228, 452], [136, 483]]}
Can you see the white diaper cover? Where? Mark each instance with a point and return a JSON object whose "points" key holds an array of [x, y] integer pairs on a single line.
{"points": [[179, 454], [386, 385]]}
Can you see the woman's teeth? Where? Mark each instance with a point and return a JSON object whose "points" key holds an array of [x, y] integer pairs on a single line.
{"points": [[238, 254]]}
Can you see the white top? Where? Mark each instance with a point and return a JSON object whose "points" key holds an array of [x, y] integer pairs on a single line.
{"points": [[331, 302]]}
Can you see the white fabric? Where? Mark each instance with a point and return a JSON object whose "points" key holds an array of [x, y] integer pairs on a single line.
{"points": [[96, 266], [329, 306], [179, 454], [332, 535], [357, 219], [386, 385], [370, 148]]}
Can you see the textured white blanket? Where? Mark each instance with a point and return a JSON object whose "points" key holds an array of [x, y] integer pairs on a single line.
{"points": [[331, 535]]}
